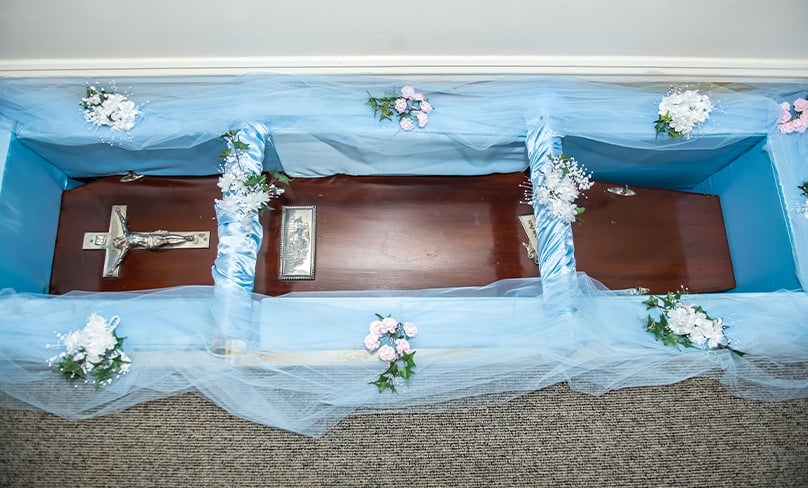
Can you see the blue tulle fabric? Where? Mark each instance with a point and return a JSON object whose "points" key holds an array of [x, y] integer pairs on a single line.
{"points": [[300, 363]]}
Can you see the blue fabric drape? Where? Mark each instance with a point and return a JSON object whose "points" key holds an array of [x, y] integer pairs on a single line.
{"points": [[240, 236], [300, 363]]}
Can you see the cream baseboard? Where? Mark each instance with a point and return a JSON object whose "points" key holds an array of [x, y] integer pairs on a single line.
{"points": [[712, 69]]}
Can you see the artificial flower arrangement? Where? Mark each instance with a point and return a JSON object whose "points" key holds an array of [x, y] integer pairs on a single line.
{"points": [[795, 120], [243, 191], [94, 353], [564, 178], [803, 209], [409, 106], [681, 111], [390, 338], [102, 107], [684, 324]]}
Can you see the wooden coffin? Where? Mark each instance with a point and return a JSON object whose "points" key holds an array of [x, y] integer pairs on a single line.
{"points": [[401, 233]]}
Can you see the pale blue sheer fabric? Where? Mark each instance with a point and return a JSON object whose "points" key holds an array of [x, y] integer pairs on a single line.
{"points": [[310, 370], [305, 368]]}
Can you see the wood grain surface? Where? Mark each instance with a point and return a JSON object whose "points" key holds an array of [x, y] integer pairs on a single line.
{"points": [[402, 233]]}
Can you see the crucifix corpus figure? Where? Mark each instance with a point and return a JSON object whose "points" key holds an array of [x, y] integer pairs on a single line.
{"points": [[119, 240], [145, 240]]}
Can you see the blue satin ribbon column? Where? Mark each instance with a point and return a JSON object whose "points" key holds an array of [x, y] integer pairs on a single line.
{"points": [[240, 235], [553, 237]]}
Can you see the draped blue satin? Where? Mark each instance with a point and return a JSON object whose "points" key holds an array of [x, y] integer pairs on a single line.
{"points": [[554, 238], [240, 236]]}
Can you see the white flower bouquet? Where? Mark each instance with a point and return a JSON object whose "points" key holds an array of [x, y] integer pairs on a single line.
{"points": [[681, 111], [684, 324], [109, 108], [564, 178], [94, 353], [243, 191]]}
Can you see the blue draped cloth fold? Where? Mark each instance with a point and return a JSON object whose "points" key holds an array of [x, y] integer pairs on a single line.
{"points": [[240, 235], [556, 249]]}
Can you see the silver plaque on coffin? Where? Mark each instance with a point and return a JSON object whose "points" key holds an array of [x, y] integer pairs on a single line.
{"points": [[297, 242]]}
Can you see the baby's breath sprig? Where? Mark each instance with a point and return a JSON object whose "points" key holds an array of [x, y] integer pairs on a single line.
{"points": [[564, 179], [246, 191]]}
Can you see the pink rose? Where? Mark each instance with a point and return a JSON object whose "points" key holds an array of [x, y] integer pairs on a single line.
{"points": [[376, 328], [406, 124], [417, 97], [422, 118], [407, 91], [786, 128], [389, 325], [401, 105], [410, 329], [402, 346], [786, 113], [426, 107], [371, 342], [800, 105], [800, 125], [387, 353]]}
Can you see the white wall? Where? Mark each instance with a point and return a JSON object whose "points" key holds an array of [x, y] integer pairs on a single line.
{"points": [[709, 38]]}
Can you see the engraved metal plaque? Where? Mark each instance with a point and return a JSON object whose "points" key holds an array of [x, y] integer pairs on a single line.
{"points": [[297, 243], [529, 225]]}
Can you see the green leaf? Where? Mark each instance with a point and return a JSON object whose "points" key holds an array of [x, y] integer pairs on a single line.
{"points": [[408, 359], [71, 369], [406, 373], [651, 302], [392, 368], [380, 383], [739, 353], [255, 180], [281, 177]]}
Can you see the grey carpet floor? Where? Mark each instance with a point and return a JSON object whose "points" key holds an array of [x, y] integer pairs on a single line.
{"points": [[689, 434]]}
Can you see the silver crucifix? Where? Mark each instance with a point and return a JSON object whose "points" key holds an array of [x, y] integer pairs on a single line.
{"points": [[119, 240]]}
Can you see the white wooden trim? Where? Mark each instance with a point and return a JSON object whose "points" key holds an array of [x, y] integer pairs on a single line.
{"points": [[713, 69]]}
